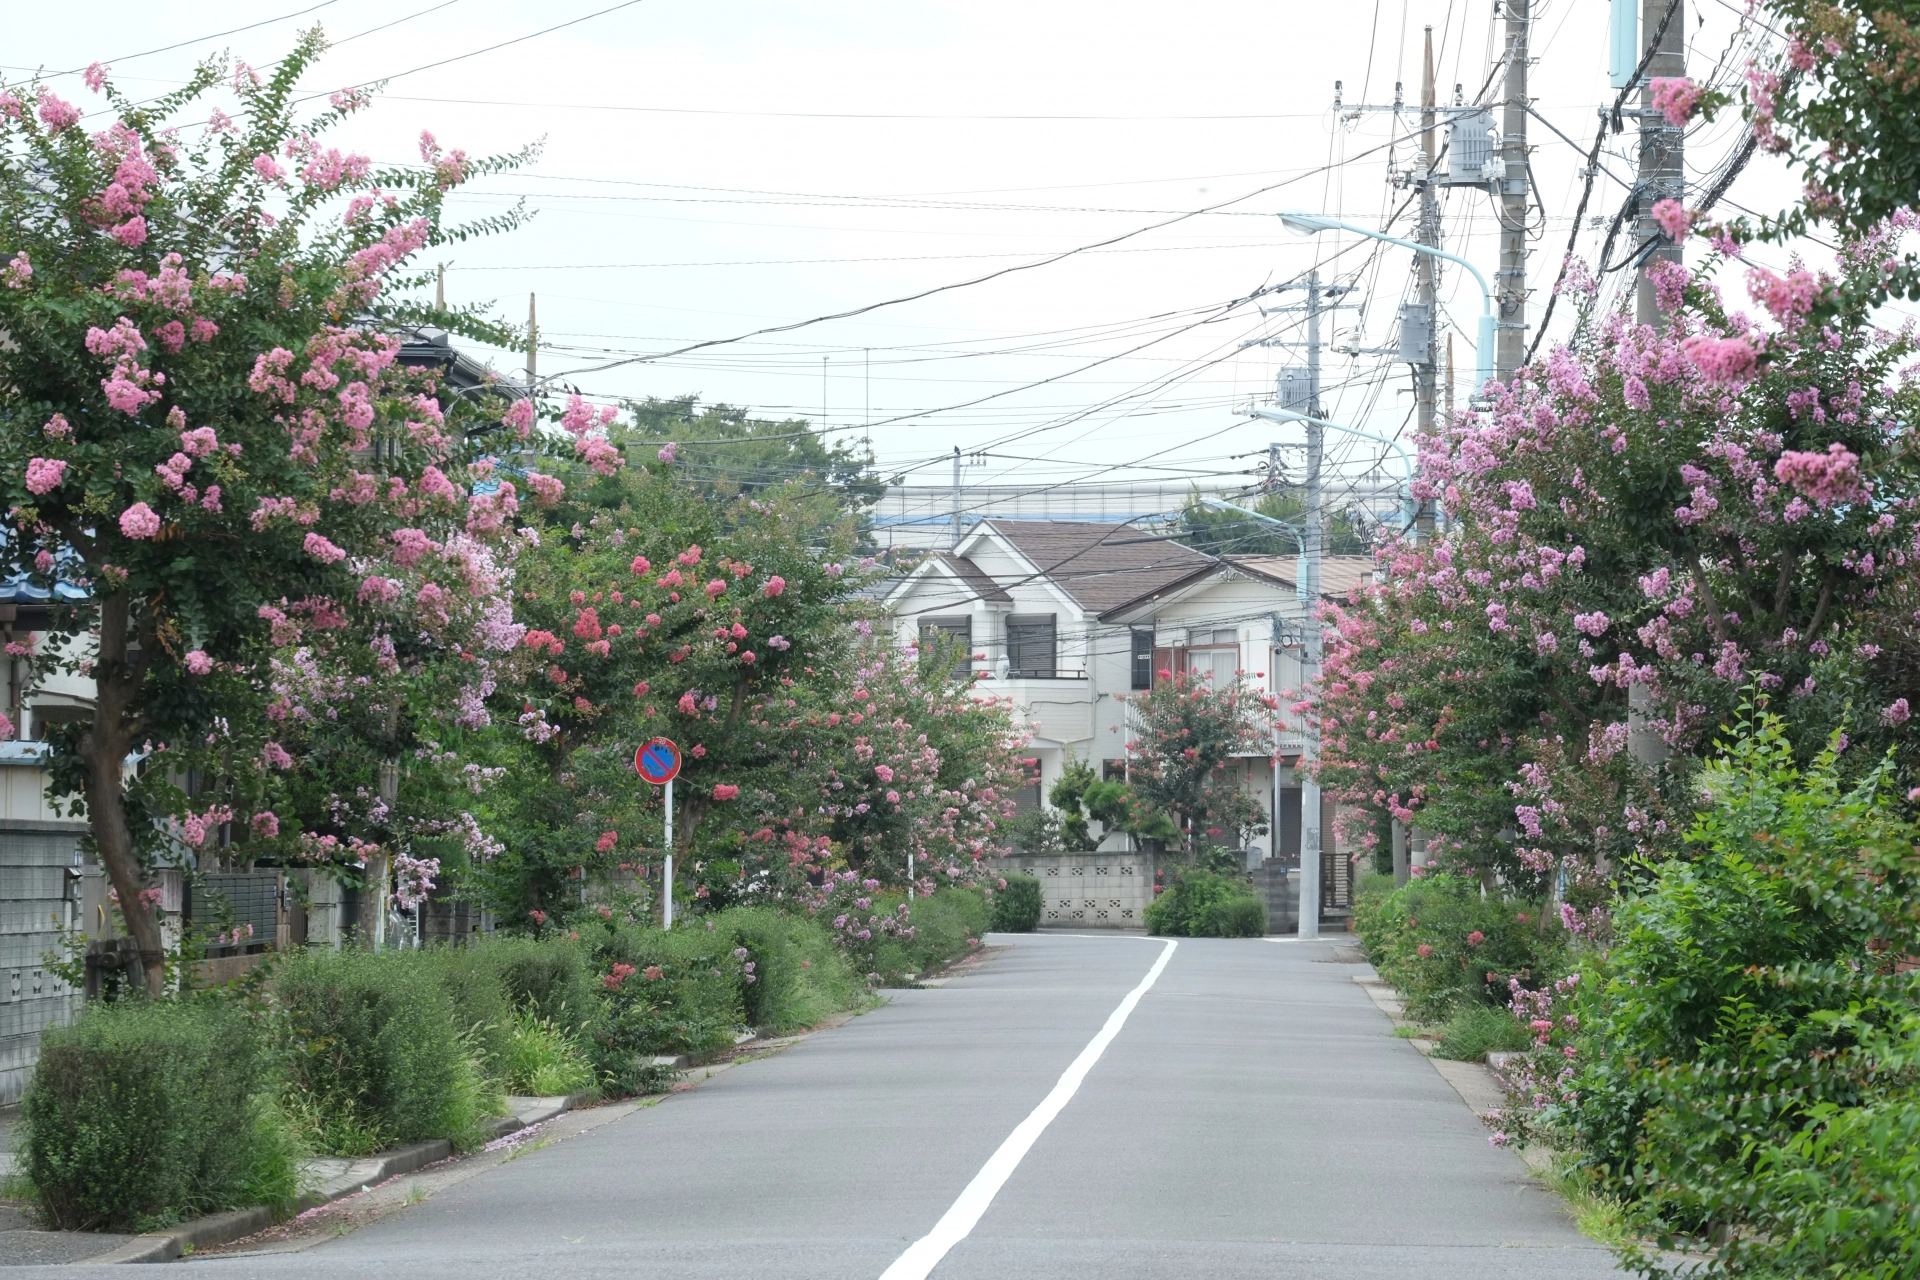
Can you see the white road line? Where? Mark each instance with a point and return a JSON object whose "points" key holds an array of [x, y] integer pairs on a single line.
{"points": [[958, 1222]]}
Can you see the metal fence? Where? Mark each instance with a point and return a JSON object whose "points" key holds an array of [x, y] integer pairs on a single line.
{"points": [[40, 871]]}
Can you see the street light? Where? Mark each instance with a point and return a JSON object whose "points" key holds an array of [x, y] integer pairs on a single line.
{"points": [[1299, 539], [1308, 224]]}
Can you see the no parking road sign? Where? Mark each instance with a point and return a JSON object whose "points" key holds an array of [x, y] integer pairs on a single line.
{"points": [[657, 761]]}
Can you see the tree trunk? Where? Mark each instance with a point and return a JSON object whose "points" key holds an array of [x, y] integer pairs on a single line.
{"points": [[103, 749]]}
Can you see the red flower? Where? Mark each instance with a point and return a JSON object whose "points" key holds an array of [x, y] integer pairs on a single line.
{"points": [[1475, 938]]}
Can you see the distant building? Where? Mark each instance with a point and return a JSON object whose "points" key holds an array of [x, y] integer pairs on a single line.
{"points": [[1068, 618]]}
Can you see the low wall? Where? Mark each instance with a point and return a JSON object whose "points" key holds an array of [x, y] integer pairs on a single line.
{"points": [[1090, 890]]}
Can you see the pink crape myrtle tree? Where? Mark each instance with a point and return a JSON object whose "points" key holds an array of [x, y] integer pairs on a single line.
{"points": [[1644, 532], [208, 429], [1191, 737]]}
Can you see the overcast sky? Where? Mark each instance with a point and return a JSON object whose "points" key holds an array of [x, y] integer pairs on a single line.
{"points": [[715, 168]]}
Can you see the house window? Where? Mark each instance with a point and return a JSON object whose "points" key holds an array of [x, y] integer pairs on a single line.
{"points": [[1142, 658], [1215, 664], [1113, 770], [1027, 798], [1030, 646], [945, 640]]}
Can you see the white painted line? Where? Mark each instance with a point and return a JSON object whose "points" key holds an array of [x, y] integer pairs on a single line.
{"points": [[958, 1222]]}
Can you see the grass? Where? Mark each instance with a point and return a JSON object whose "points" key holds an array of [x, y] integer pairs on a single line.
{"points": [[1475, 1030], [1602, 1218], [543, 1061]]}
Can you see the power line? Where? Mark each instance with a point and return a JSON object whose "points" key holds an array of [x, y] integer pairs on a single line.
{"points": [[946, 288]]}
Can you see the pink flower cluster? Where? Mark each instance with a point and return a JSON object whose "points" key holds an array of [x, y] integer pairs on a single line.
{"points": [[1829, 478], [44, 475], [1675, 97]]}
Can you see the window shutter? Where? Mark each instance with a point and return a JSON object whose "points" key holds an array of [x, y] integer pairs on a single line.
{"points": [[1142, 658], [1030, 646]]}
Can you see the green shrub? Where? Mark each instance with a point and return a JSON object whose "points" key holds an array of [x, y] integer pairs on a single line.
{"points": [[374, 1055], [1202, 904], [1016, 908], [543, 1061], [946, 925], [143, 1114], [1443, 942], [1475, 1030], [664, 991], [798, 976], [1748, 1044]]}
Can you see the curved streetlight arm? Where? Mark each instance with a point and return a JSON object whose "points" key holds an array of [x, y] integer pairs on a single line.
{"points": [[1289, 415], [1291, 528], [1299, 538], [1311, 223]]}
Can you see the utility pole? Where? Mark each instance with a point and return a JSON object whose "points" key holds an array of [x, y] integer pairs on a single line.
{"points": [[1424, 264], [1310, 653], [1661, 175], [533, 344], [1659, 178], [956, 498], [1510, 283]]}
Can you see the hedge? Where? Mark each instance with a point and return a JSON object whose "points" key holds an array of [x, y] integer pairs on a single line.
{"points": [[1200, 904], [141, 1114], [1016, 908]]}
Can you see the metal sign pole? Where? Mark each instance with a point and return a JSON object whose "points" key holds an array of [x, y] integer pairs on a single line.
{"points": [[668, 879]]}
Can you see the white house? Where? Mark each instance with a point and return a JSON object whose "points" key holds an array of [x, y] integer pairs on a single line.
{"points": [[1067, 618]]}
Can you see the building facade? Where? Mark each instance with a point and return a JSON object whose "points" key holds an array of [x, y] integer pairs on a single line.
{"points": [[1068, 619]]}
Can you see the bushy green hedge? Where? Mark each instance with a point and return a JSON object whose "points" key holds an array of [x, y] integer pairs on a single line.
{"points": [[374, 1056], [1444, 942], [1748, 1045], [1201, 904], [1016, 908], [799, 976], [140, 1115], [143, 1114]]}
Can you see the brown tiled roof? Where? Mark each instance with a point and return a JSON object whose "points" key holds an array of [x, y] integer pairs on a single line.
{"points": [[975, 577], [1339, 575], [1100, 565]]}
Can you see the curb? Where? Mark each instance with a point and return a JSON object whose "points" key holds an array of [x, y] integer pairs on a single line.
{"points": [[220, 1228]]}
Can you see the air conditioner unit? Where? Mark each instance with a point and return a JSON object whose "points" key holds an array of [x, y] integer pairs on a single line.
{"points": [[1473, 151]]}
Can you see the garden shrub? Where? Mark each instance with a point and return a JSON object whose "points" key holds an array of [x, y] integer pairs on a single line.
{"points": [[1747, 1047], [142, 1114], [374, 1055], [799, 976], [1443, 942], [481, 1009], [947, 924], [1016, 908], [664, 991], [1203, 904]]}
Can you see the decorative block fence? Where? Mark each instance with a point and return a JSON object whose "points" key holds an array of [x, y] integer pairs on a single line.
{"points": [[1090, 890]]}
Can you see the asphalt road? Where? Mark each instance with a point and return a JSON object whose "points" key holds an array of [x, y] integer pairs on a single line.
{"points": [[1253, 1117]]}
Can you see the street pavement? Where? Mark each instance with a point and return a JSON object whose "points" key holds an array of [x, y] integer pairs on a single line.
{"points": [[1253, 1117]]}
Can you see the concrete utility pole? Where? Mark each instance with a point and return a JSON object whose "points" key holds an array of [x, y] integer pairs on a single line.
{"points": [[1425, 267], [533, 343], [1661, 174], [1310, 652], [956, 498], [1660, 177], [1511, 280]]}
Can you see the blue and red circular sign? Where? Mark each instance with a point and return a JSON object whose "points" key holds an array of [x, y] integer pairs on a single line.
{"points": [[657, 761]]}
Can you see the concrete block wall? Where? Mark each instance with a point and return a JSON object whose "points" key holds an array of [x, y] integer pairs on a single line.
{"points": [[1090, 890]]}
